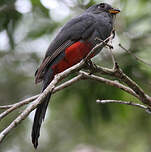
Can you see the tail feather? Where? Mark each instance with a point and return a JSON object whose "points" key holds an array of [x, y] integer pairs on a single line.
{"points": [[39, 117], [41, 109]]}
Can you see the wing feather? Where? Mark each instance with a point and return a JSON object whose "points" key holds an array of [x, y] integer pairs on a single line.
{"points": [[49, 59]]}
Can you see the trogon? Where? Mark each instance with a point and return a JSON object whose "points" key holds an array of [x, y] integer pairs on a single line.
{"points": [[72, 43]]}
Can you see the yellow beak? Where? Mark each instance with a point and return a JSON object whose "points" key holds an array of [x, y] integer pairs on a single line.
{"points": [[114, 11]]}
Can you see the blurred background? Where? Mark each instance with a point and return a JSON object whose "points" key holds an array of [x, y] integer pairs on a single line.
{"points": [[74, 121]]}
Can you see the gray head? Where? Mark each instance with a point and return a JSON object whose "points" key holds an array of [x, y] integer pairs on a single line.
{"points": [[102, 7]]}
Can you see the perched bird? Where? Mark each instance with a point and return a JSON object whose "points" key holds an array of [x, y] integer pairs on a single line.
{"points": [[72, 43]]}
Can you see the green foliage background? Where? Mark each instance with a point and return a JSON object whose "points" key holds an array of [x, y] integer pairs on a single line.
{"points": [[75, 122]]}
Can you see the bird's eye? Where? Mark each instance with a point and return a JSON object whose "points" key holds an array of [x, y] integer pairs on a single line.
{"points": [[102, 5]]}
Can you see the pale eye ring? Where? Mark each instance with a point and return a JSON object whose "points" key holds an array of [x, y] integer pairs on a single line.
{"points": [[99, 6]]}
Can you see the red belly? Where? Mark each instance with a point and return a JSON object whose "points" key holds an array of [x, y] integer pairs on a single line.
{"points": [[73, 54]]}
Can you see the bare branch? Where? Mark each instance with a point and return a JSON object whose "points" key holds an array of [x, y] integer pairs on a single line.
{"points": [[109, 82], [130, 103], [131, 88], [118, 73], [82, 75]]}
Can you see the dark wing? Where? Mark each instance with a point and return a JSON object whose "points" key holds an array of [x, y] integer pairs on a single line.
{"points": [[48, 59], [79, 28]]}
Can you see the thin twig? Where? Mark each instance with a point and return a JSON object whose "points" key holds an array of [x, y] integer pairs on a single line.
{"points": [[130, 103], [17, 105], [136, 57], [98, 46], [104, 42], [6, 106], [112, 56], [20, 103]]}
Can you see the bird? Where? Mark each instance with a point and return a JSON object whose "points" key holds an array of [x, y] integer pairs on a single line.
{"points": [[72, 43]]}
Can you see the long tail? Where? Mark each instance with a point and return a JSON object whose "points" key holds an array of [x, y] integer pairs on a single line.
{"points": [[41, 111], [39, 117]]}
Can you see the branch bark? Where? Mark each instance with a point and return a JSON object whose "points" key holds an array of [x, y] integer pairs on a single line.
{"points": [[116, 72], [130, 103]]}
